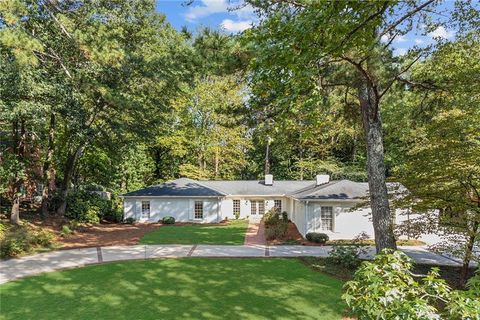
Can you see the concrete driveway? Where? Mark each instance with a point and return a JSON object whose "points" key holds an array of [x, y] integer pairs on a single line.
{"points": [[64, 259]]}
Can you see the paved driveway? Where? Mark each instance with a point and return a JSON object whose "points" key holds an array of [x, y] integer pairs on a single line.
{"points": [[63, 259]]}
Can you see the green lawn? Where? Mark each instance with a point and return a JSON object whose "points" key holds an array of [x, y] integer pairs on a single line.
{"points": [[232, 233], [192, 288]]}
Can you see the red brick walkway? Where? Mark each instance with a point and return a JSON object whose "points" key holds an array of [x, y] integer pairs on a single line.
{"points": [[255, 234]]}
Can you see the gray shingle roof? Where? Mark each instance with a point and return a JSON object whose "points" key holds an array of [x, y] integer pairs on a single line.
{"points": [[334, 190], [182, 187], [256, 187], [305, 190]]}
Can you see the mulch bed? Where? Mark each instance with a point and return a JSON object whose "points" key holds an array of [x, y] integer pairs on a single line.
{"points": [[108, 234], [99, 235], [293, 237]]}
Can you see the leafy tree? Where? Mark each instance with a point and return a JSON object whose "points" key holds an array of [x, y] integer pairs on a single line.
{"points": [[387, 289], [306, 48], [207, 129], [441, 167], [118, 65]]}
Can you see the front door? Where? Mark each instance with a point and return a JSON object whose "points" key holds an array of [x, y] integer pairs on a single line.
{"points": [[257, 207]]}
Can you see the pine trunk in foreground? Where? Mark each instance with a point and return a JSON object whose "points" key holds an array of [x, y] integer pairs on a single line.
{"points": [[381, 214]]}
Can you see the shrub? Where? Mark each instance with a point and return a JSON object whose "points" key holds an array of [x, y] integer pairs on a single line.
{"points": [[168, 220], [386, 289], [345, 256], [43, 238], [11, 247], [130, 220], [276, 231], [3, 229], [87, 207], [271, 217], [23, 239], [237, 215], [317, 237], [66, 231]]}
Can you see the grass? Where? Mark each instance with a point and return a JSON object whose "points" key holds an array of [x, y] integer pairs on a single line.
{"points": [[193, 288], [232, 233]]}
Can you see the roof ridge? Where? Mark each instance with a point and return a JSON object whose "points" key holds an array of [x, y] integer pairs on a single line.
{"points": [[209, 187], [322, 186]]}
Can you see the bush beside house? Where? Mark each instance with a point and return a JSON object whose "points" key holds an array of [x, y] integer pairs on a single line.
{"points": [[88, 207], [276, 224]]}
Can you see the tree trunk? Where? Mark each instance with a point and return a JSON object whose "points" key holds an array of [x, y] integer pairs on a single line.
{"points": [[217, 160], [15, 213], [67, 179], [49, 173], [267, 157], [381, 215], [468, 252]]}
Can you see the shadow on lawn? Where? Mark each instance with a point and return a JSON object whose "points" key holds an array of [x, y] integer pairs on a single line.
{"points": [[177, 289]]}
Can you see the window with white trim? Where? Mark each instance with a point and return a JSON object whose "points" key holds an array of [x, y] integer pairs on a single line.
{"points": [[236, 207], [198, 210], [261, 207], [326, 216], [145, 209], [277, 204]]}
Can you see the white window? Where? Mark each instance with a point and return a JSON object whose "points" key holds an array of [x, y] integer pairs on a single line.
{"points": [[261, 207], [253, 207], [277, 204], [236, 207], [145, 209], [326, 216], [198, 209]]}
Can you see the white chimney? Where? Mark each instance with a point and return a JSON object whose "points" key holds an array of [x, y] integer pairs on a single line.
{"points": [[322, 179], [269, 179]]}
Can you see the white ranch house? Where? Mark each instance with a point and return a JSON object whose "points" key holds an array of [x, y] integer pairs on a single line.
{"points": [[314, 206]]}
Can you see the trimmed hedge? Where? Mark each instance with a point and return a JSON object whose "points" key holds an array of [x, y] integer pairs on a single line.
{"points": [[168, 220], [317, 237]]}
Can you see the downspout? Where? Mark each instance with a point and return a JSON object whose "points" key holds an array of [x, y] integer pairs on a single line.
{"points": [[306, 217], [218, 209]]}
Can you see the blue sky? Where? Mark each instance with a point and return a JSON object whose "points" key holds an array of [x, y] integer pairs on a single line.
{"points": [[217, 14]]}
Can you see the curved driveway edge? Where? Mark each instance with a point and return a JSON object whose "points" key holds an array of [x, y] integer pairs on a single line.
{"points": [[64, 259]]}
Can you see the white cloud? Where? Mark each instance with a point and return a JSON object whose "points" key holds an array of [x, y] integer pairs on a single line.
{"points": [[419, 41], [384, 38], [442, 33], [400, 52], [236, 26], [207, 8], [400, 39]]}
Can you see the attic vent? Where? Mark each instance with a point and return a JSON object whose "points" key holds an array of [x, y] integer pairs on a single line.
{"points": [[322, 179], [268, 180]]}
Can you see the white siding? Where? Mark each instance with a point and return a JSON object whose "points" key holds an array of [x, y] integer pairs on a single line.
{"points": [[179, 208], [128, 209], [298, 216]]}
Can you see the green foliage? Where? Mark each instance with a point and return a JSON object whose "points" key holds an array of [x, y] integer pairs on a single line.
{"points": [[168, 220], [347, 257], [88, 207], [317, 237], [386, 289], [65, 232], [276, 224], [23, 239]]}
